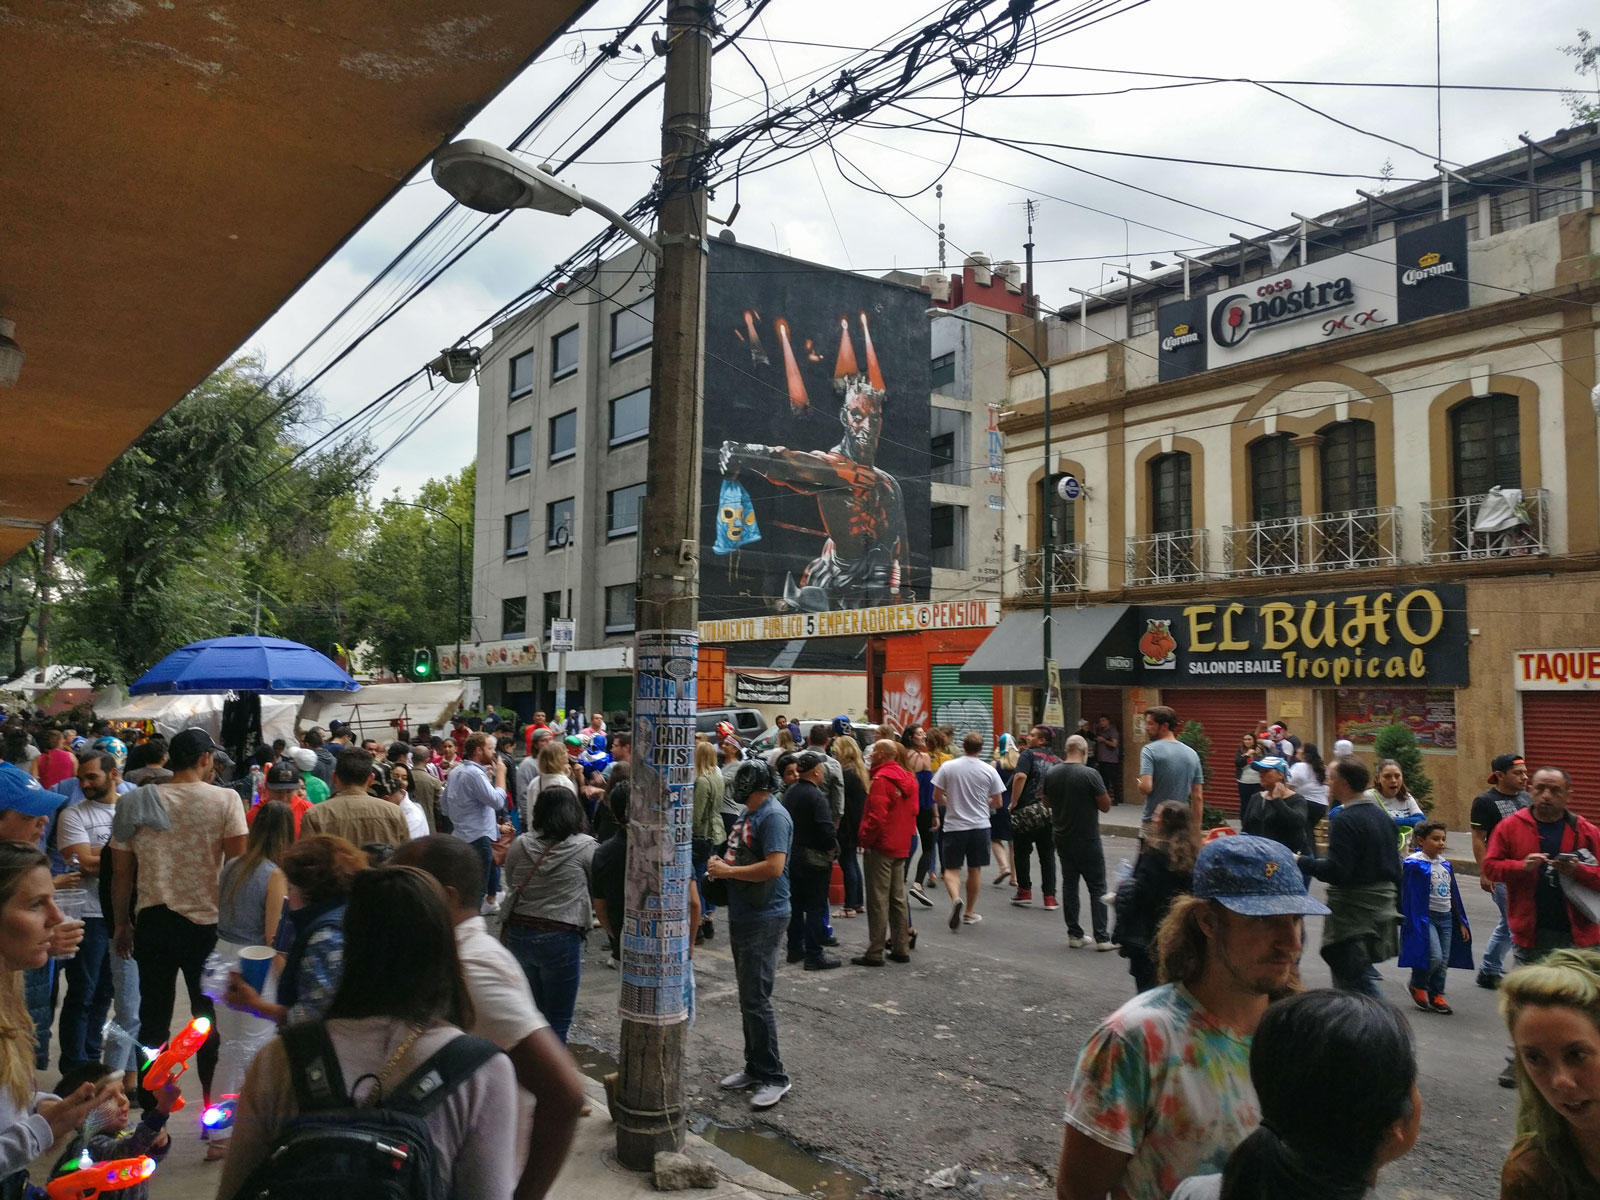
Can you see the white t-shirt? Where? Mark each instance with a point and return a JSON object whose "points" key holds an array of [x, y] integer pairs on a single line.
{"points": [[87, 824], [967, 783], [416, 822], [1304, 782]]}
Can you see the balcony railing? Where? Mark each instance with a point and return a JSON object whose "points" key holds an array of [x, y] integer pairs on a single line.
{"points": [[1450, 533], [1176, 557], [1066, 573], [1341, 541]]}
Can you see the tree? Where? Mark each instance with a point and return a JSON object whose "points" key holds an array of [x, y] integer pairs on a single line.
{"points": [[1396, 741], [1193, 735], [407, 570], [169, 545], [1586, 53]]}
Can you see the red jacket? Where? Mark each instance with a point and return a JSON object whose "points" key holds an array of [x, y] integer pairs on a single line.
{"points": [[1516, 837], [890, 820]]}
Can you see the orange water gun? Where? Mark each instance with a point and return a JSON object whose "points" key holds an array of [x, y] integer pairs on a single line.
{"points": [[173, 1058], [89, 1178]]}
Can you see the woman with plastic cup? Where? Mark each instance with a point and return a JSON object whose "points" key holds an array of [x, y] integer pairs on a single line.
{"points": [[251, 898]]}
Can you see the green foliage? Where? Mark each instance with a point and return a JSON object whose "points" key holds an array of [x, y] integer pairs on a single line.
{"points": [[1584, 106], [1396, 741], [1212, 817], [1193, 735]]}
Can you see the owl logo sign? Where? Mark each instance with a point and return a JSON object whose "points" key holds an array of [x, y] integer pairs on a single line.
{"points": [[1158, 646]]}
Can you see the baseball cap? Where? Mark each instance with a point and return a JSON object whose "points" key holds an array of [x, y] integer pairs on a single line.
{"points": [[572, 741], [1254, 877], [1343, 747], [304, 759], [21, 792], [810, 760], [1501, 763], [1271, 762], [191, 744], [283, 776]]}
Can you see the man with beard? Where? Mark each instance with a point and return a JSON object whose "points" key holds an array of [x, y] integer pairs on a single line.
{"points": [[83, 830]]}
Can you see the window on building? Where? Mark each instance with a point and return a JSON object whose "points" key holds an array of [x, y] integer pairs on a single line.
{"points": [[630, 417], [564, 435], [564, 353], [1058, 511], [1274, 478], [619, 608], [633, 328], [1171, 494], [514, 617], [1349, 467], [552, 610], [951, 446], [519, 452], [1144, 319], [517, 534], [1485, 445], [558, 527], [622, 510], [942, 374], [948, 523], [521, 374]]}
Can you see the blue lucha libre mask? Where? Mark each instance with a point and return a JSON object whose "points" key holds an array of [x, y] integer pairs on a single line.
{"points": [[736, 519]]}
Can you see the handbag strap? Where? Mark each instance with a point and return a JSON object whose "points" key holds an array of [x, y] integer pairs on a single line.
{"points": [[516, 894]]}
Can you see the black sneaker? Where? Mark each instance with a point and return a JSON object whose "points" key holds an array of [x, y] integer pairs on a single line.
{"points": [[707, 930], [900, 958], [1489, 979], [1507, 1077], [861, 960], [825, 963], [920, 897], [955, 917], [794, 958]]}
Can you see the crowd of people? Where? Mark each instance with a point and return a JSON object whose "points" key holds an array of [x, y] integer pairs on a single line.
{"points": [[364, 876]]}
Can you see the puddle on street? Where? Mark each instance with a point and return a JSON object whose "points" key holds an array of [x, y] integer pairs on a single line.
{"points": [[763, 1149]]}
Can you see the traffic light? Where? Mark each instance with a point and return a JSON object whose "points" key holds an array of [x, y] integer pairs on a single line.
{"points": [[422, 664]]}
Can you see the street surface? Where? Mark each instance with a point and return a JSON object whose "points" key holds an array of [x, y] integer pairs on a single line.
{"points": [[964, 1056]]}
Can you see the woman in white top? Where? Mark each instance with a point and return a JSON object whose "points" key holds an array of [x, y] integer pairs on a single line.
{"points": [[555, 770], [1308, 776], [416, 819], [1389, 790], [31, 930], [400, 1000]]}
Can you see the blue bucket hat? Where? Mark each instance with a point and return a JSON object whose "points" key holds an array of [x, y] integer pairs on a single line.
{"points": [[1254, 877], [21, 792]]}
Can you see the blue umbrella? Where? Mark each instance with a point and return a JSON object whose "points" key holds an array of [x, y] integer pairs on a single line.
{"points": [[243, 664]]}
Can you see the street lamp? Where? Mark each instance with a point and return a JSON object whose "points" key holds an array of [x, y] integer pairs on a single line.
{"points": [[1048, 549], [460, 576], [490, 179]]}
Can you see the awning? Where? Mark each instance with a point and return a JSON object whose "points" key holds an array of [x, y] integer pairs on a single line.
{"points": [[372, 710], [1014, 652]]}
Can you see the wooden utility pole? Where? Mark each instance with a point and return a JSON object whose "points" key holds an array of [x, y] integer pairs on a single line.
{"points": [[648, 1110]]}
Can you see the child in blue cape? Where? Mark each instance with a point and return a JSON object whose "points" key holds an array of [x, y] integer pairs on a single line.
{"points": [[1434, 935]]}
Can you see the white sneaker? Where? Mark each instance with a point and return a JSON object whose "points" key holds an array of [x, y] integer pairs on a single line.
{"points": [[972, 918], [488, 908], [1104, 946], [738, 1081], [769, 1094], [1077, 943]]}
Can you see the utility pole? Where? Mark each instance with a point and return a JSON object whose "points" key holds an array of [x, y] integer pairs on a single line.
{"points": [[649, 1111]]}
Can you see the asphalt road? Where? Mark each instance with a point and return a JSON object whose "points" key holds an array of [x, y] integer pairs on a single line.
{"points": [[964, 1056]]}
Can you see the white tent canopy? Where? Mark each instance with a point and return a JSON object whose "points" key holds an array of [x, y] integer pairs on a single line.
{"points": [[372, 711], [50, 679], [170, 714]]}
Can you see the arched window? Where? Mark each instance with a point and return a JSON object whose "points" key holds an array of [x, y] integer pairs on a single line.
{"points": [[1171, 503], [1485, 445], [1274, 478], [1349, 467], [1058, 511]]}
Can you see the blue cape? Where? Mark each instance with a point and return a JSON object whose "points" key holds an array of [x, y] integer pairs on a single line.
{"points": [[1415, 883]]}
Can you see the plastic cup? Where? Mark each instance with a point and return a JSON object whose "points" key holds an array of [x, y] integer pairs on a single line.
{"points": [[254, 963], [72, 902]]}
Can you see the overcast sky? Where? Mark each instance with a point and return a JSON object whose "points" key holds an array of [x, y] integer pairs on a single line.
{"points": [[788, 209]]}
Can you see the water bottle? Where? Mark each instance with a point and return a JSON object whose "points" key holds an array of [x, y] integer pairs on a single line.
{"points": [[214, 976]]}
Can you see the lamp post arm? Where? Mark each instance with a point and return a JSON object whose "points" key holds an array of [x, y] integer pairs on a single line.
{"points": [[622, 223]]}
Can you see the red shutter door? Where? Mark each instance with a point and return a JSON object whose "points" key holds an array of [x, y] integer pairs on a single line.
{"points": [[1225, 714], [1558, 730]]}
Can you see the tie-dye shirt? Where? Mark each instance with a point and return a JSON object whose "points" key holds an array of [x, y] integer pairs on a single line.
{"points": [[1164, 1080]]}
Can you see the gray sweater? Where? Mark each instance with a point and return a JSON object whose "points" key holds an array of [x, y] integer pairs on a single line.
{"points": [[559, 889]]}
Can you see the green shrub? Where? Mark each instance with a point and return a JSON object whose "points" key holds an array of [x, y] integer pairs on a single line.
{"points": [[1193, 735]]}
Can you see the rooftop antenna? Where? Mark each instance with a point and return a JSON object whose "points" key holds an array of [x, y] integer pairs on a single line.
{"points": [[1027, 246], [938, 194]]}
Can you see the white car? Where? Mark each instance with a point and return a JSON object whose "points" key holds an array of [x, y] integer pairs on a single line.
{"points": [[865, 734]]}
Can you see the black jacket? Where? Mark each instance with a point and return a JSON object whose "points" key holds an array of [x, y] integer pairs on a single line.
{"points": [[813, 819], [1281, 820], [1143, 900], [1361, 848]]}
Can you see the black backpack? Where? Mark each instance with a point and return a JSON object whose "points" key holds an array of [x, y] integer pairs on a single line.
{"points": [[334, 1148]]}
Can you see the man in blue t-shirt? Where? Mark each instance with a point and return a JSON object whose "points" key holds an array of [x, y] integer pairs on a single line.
{"points": [[758, 923], [1168, 769]]}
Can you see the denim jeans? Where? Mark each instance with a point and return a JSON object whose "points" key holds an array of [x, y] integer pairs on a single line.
{"points": [[855, 891], [484, 848], [755, 966], [39, 990], [1494, 954], [1351, 964], [808, 915], [1431, 978], [124, 1054], [89, 993], [552, 959]]}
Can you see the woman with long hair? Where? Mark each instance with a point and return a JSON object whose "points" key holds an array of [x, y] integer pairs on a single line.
{"points": [[548, 913], [1163, 871], [400, 1002], [1552, 1009], [1005, 762], [1249, 781], [1308, 776], [1389, 790], [251, 892], [1356, 1052], [709, 790], [847, 754], [32, 929], [919, 761]]}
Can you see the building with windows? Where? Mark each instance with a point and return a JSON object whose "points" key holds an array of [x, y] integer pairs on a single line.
{"points": [[1343, 476], [812, 375]]}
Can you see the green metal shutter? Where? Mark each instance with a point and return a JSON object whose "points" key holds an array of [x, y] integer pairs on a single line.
{"points": [[965, 706], [616, 693]]}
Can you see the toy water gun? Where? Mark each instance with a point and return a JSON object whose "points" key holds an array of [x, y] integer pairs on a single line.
{"points": [[220, 1115], [89, 1178], [173, 1059]]}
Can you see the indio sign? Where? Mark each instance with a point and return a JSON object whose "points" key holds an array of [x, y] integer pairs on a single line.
{"points": [[1400, 636]]}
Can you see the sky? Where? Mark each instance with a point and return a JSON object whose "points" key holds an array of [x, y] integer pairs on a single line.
{"points": [[819, 208]]}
